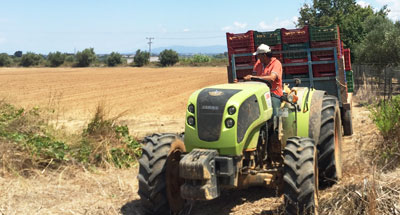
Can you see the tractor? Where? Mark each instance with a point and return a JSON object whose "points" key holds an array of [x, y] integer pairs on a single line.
{"points": [[232, 140]]}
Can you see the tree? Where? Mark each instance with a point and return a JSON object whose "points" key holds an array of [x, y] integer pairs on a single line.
{"points": [[381, 46], [141, 58], [114, 59], [168, 57], [30, 59], [86, 57], [5, 60], [18, 54], [56, 59]]}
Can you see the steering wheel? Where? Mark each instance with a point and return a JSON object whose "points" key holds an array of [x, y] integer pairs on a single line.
{"points": [[263, 81]]}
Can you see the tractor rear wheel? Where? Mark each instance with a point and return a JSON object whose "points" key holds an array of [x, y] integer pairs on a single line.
{"points": [[330, 143], [159, 181], [300, 177]]}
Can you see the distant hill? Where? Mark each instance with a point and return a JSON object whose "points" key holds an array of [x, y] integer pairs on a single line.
{"points": [[188, 50]]}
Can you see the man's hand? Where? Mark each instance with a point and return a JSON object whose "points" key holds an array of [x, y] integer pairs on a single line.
{"points": [[247, 77]]}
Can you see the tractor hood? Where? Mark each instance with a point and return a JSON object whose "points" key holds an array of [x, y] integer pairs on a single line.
{"points": [[224, 116]]}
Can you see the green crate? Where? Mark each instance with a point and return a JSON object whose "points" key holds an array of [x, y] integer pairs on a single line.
{"points": [[350, 81], [295, 46], [270, 38], [324, 33]]}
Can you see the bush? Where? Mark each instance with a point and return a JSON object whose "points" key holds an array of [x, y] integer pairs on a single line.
{"points": [[86, 57], [31, 59], [141, 58], [56, 59], [18, 54], [114, 59], [5, 60], [169, 57], [386, 116]]}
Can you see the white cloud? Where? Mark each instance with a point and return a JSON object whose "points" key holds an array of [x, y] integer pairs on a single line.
{"points": [[363, 3], [393, 6], [186, 30], [277, 23], [237, 26]]}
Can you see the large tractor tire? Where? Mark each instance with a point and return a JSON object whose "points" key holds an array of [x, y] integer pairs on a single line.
{"points": [[330, 143], [159, 182], [300, 177]]}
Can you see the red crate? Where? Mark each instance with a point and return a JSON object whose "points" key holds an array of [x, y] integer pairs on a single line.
{"points": [[295, 35], [324, 70], [240, 74], [275, 49], [298, 60], [327, 54], [347, 60], [244, 40], [243, 59], [295, 69]]}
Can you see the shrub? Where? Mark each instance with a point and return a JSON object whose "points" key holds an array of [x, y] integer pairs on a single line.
{"points": [[56, 59], [114, 59], [169, 57], [141, 58], [5, 60], [86, 57], [30, 59], [18, 54], [198, 58]]}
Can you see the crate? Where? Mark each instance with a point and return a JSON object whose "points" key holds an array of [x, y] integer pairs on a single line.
{"points": [[326, 54], [347, 59], [240, 74], [295, 35], [270, 38], [295, 70], [293, 76], [324, 70], [244, 40], [328, 33], [296, 60], [276, 55], [350, 81], [243, 59], [295, 46]]}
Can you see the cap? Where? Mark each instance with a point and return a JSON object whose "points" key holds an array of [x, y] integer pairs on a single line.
{"points": [[262, 49]]}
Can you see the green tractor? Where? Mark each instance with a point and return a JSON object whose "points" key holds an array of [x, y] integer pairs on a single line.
{"points": [[233, 141]]}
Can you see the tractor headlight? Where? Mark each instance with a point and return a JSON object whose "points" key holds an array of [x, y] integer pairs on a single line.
{"points": [[231, 110], [229, 123], [191, 108], [191, 121]]}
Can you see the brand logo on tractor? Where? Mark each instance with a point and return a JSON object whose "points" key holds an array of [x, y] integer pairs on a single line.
{"points": [[209, 107], [216, 93]]}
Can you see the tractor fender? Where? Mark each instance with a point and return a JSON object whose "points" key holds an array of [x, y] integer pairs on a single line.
{"points": [[314, 125]]}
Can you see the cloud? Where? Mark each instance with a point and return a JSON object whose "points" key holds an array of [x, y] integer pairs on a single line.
{"points": [[237, 26], [393, 6], [363, 3], [186, 30], [277, 23]]}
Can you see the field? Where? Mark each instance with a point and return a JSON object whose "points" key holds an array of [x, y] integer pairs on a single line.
{"points": [[149, 100]]}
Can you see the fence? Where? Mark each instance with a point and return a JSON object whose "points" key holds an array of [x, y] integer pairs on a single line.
{"points": [[372, 83]]}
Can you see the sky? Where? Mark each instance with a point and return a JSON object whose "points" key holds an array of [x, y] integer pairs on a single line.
{"points": [[44, 26]]}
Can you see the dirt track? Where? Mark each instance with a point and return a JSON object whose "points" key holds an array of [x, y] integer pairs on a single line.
{"points": [[156, 100]]}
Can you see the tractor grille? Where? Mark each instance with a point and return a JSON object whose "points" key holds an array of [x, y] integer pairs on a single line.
{"points": [[211, 104], [249, 111]]}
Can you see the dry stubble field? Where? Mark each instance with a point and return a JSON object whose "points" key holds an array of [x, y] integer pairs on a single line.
{"points": [[155, 100]]}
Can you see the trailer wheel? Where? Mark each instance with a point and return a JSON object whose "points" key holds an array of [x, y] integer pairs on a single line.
{"points": [[300, 177], [159, 182], [330, 143], [347, 123]]}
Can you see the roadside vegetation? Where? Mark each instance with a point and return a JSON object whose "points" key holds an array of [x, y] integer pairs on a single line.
{"points": [[29, 141]]}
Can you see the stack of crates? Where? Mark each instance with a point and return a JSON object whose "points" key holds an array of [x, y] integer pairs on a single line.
{"points": [[240, 44], [349, 72], [295, 39], [323, 37], [272, 39]]}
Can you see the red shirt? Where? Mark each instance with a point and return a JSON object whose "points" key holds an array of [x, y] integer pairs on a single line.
{"points": [[274, 66]]}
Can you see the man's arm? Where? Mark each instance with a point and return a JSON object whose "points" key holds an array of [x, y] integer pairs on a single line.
{"points": [[269, 78]]}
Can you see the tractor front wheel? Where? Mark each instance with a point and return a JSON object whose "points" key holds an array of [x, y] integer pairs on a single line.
{"points": [[300, 177], [159, 181]]}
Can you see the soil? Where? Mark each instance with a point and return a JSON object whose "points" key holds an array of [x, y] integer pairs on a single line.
{"points": [[155, 99]]}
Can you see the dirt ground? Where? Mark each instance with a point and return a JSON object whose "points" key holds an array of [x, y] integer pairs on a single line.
{"points": [[156, 101]]}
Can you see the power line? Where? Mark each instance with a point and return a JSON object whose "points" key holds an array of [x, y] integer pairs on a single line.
{"points": [[150, 38]]}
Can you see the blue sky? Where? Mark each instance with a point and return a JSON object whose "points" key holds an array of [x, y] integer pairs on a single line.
{"points": [[123, 25]]}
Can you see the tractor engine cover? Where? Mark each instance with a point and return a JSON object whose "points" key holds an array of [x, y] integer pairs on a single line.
{"points": [[198, 170]]}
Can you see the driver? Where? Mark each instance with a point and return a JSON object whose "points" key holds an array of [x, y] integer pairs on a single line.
{"points": [[270, 69]]}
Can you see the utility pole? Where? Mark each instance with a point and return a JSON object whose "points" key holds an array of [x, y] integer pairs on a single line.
{"points": [[150, 38]]}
